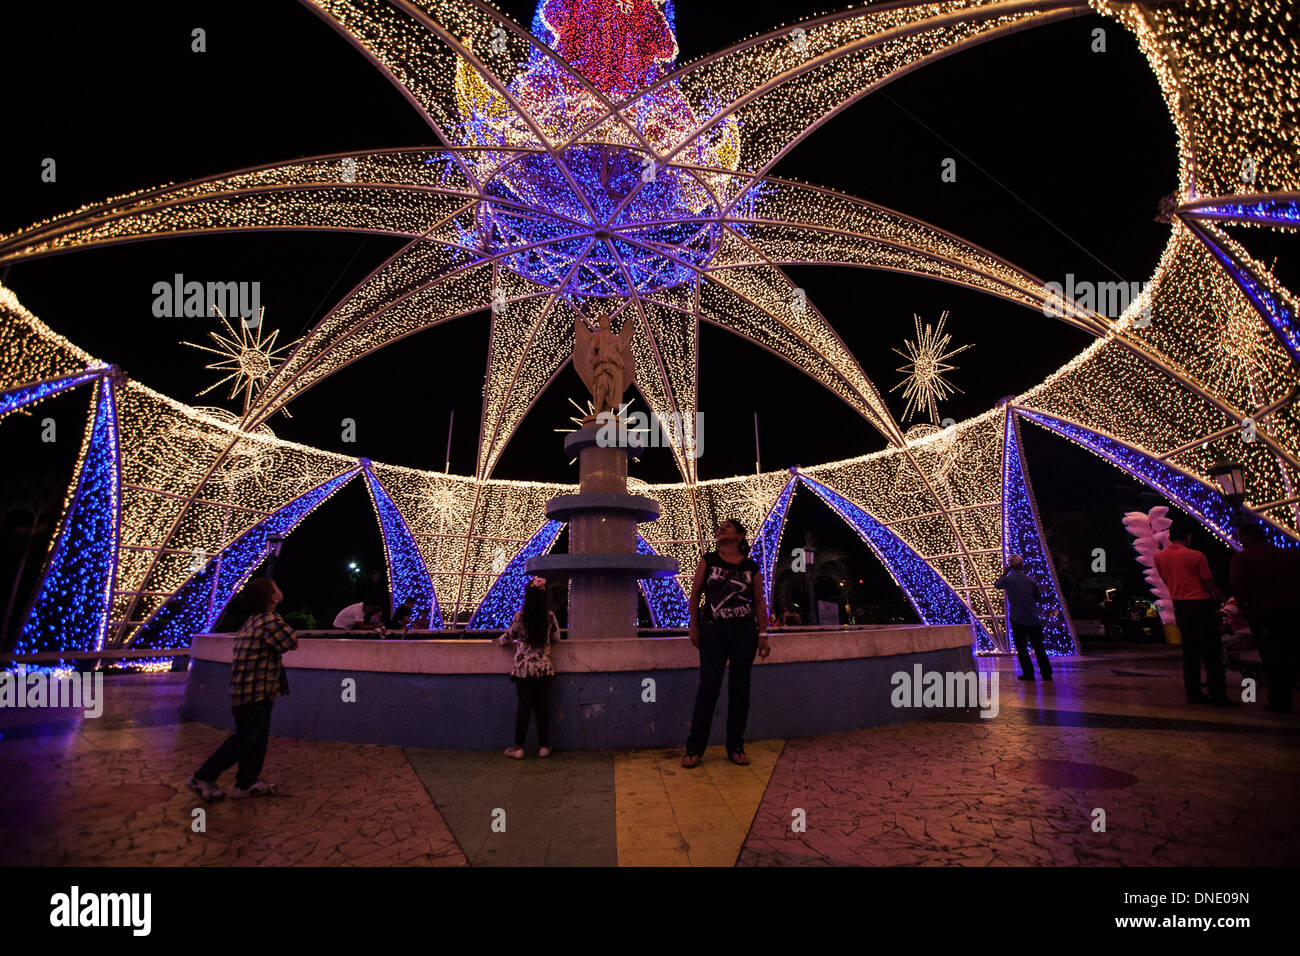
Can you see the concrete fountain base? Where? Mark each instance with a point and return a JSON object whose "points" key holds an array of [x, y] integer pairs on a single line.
{"points": [[454, 694]]}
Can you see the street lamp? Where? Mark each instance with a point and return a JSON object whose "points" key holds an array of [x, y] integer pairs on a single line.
{"points": [[1231, 479], [810, 556], [356, 573], [273, 544]]}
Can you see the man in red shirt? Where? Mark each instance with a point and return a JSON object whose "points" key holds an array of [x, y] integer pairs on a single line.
{"points": [[1196, 609]]}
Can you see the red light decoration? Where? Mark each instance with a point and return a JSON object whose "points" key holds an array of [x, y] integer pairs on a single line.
{"points": [[620, 46]]}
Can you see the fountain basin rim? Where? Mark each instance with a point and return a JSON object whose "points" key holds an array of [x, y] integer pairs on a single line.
{"points": [[563, 507], [487, 656], [609, 563]]}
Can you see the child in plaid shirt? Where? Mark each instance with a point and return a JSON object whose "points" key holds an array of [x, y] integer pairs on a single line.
{"points": [[256, 679]]}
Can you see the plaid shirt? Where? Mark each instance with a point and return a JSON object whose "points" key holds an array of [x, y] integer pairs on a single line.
{"points": [[257, 673]]}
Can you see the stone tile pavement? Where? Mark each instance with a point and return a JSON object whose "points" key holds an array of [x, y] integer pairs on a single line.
{"points": [[1178, 785]]}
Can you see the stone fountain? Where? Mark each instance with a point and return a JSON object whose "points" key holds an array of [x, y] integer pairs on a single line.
{"points": [[602, 565]]}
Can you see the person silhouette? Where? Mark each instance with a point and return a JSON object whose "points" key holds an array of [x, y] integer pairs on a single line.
{"points": [[731, 626], [1022, 617]]}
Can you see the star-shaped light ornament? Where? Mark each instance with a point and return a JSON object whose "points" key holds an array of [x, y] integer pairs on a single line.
{"points": [[585, 416], [927, 355], [248, 359]]}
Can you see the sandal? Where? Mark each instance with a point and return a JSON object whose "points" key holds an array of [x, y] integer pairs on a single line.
{"points": [[259, 788], [738, 758], [208, 791], [691, 761]]}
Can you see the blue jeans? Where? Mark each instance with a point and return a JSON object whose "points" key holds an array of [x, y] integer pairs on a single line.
{"points": [[736, 640]]}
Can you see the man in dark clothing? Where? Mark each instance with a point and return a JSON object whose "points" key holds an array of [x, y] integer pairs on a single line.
{"points": [[1196, 599], [1264, 580], [1022, 617]]}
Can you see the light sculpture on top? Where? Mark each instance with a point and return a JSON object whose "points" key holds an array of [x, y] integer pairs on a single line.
{"points": [[580, 172]]}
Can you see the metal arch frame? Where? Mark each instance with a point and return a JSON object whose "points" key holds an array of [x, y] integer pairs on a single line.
{"points": [[103, 405], [821, 491], [553, 151], [1285, 328], [1220, 209], [398, 540], [1177, 376], [1012, 443], [204, 590], [12, 397], [541, 542], [1094, 440], [771, 85]]}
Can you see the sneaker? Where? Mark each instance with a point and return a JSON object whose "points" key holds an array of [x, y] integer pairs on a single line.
{"points": [[1224, 702], [544, 752], [1024, 677], [208, 792], [259, 789], [1199, 699], [515, 753]]}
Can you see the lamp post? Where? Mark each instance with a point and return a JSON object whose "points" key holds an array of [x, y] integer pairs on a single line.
{"points": [[809, 555], [273, 544], [356, 573], [1230, 476]]}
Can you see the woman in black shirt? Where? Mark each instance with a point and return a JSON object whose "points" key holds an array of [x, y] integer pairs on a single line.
{"points": [[731, 626]]}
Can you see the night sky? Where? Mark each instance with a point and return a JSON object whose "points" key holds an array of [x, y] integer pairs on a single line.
{"points": [[1062, 156]]}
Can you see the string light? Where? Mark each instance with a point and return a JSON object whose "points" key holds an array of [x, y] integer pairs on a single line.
{"points": [[542, 205], [506, 597], [927, 360], [1023, 535], [663, 596], [247, 358], [933, 599], [72, 601], [575, 197], [16, 399], [198, 603], [766, 547], [408, 578]]}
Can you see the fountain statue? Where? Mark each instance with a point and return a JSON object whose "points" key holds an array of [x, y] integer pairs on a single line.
{"points": [[602, 564], [604, 362]]}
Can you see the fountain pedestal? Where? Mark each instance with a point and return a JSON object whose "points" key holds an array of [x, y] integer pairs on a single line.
{"points": [[602, 565]]}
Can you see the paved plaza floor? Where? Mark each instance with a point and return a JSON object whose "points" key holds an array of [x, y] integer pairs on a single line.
{"points": [[1179, 785]]}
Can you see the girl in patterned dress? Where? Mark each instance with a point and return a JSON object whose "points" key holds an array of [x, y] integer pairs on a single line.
{"points": [[535, 630]]}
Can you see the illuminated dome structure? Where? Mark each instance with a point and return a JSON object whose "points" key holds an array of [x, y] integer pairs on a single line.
{"points": [[582, 173]]}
